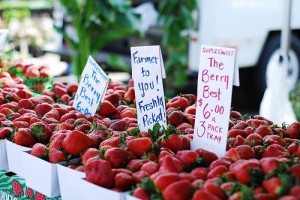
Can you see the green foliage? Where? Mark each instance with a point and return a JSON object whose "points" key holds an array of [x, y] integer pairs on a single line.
{"points": [[97, 23], [295, 99], [177, 17]]}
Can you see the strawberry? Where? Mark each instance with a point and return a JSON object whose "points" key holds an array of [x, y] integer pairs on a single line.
{"points": [[221, 161], [236, 115], [295, 169], [24, 94], [140, 176], [178, 102], [25, 103], [203, 194], [240, 125], [107, 108], [179, 190], [264, 130], [5, 132], [53, 114], [200, 172], [276, 185], [67, 116], [65, 98], [56, 156], [89, 153], [76, 142], [59, 91], [187, 176], [42, 109], [246, 171], [165, 179], [41, 131], [253, 139], [123, 181], [292, 148], [293, 130], [99, 172], [217, 171], [139, 146], [269, 164], [150, 167], [172, 141], [117, 157], [17, 189], [39, 150], [240, 152], [257, 122], [273, 139], [120, 125], [275, 150], [170, 164], [140, 193], [23, 137], [136, 164], [129, 96], [190, 110], [113, 142], [214, 189], [236, 132], [113, 98], [72, 87], [288, 197], [208, 156], [190, 97], [187, 157], [174, 116], [295, 191], [238, 140]]}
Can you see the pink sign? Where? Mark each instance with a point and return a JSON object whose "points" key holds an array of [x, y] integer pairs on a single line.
{"points": [[215, 80]]}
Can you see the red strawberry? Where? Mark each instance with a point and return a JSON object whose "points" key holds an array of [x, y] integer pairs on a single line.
{"points": [[136, 164], [174, 117], [42, 109], [236, 132], [217, 171], [89, 153], [187, 157], [295, 169], [39, 150], [59, 91], [178, 102], [122, 170], [76, 142], [275, 150], [117, 157], [72, 88], [240, 125], [240, 152], [113, 98], [20, 124], [139, 146], [23, 137], [273, 139], [190, 110], [170, 164], [215, 190], [41, 131], [150, 167], [203, 194], [179, 190], [165, 179], [253, 139], [190, 97], [269, 164], [113, 142], [107, 108], [5, 132], [208, 156], [17, 189], [25, 103], [273, 185], [123, 181], [293, 130], [140, 176], [56, 143], [221, 161], [173, 142], [295, 191], [68, 116], [236, 115], [54, 114], [243, 168], [141, 194], [120, 125], [264, 130], [24, 94], [99, 172], [200, 172], [56, 156], [128, 112], [129, 96], [238, 140]]}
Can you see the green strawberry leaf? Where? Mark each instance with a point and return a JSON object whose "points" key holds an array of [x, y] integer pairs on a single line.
{"points": [[287, 182], [123, 143], [256, 176], [135, 132], [155, 131], [37, 131], [247, 193], [148, 185]]}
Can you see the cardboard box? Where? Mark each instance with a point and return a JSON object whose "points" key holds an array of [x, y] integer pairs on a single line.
{"points": [[91, 191], [70, 182], [40, 175], [14, 156], [3, 156], [14, 187]]}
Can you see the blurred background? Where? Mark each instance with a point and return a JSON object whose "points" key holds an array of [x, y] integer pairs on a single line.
{"points": [[63, 33]]}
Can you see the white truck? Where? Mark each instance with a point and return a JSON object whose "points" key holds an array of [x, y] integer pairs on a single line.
{"points": [[251, 26]]}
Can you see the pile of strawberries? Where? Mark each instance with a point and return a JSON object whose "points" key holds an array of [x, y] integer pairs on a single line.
{"points": [[262, 159]]}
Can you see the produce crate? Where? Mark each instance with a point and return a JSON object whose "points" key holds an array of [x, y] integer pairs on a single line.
{"points": [[14, 187]]}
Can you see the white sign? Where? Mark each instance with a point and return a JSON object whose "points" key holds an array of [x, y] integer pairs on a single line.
{"points": [[147, 73], [91, 88], [3, 37], [215, 80]]}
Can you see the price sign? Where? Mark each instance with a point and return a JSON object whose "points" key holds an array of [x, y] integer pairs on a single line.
{"points": [[147, 73], [91, 89], [215, 80]]}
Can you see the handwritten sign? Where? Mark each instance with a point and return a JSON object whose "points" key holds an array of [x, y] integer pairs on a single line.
{"points": [[91, 88], [147, 73], [3, 37], [215, 80]]}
